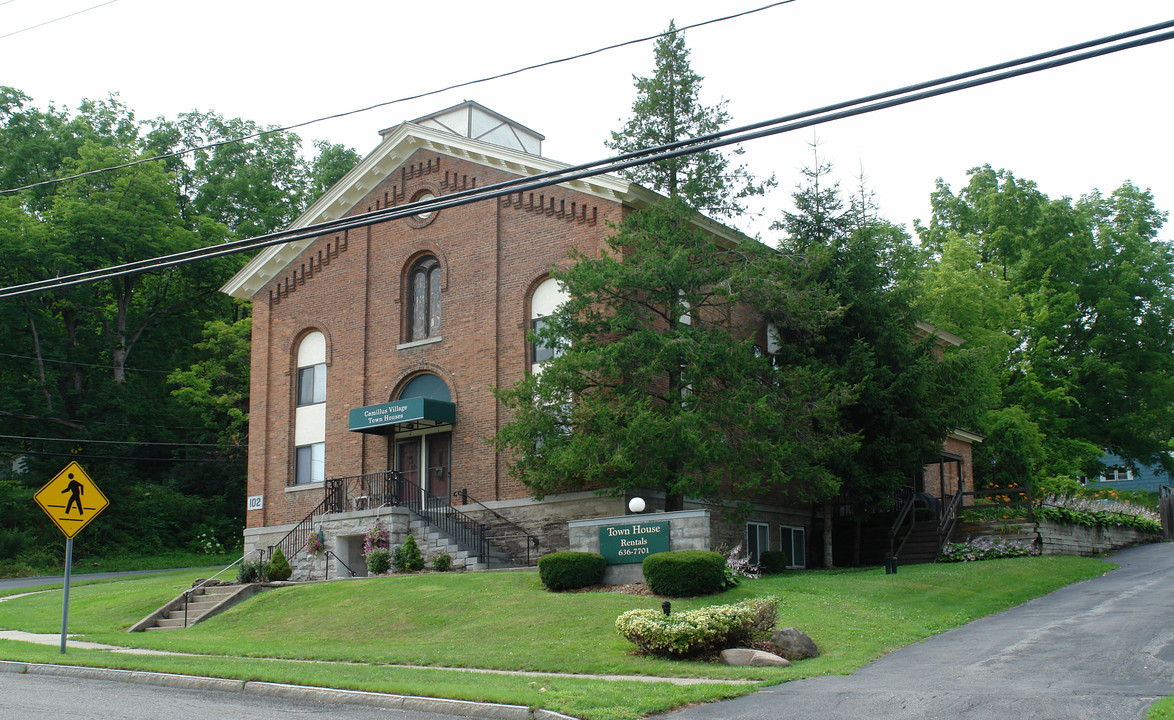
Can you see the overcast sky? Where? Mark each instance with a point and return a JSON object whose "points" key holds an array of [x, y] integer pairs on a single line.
{"points": [[1091, 125]]}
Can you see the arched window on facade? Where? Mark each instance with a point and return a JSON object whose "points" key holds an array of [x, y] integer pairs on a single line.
{"points": [[547, 298], [424, 282], [310, 414]]}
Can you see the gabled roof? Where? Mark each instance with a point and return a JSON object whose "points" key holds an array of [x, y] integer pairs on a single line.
{"points": [[398, 144]]}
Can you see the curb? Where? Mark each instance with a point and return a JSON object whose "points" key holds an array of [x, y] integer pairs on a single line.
{"points": [[467, 708]]}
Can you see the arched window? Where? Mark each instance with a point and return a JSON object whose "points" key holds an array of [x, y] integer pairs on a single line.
{"points": [[547, 298], [310, 415], [424, 283]]}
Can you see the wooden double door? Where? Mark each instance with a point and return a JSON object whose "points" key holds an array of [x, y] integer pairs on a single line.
{"points": [[433, 476]]}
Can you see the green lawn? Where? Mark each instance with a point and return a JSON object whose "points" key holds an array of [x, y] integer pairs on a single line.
{"points": [[1161, 710], [508, 621]]}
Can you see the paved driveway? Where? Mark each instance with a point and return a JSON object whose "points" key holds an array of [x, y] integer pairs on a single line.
{"points": [[1103, 649]]}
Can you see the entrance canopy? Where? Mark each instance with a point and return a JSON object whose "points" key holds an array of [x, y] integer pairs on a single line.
{"points": [[402, 415]]}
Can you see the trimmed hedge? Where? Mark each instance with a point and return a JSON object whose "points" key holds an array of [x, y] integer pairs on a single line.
{"points": [[570, 570], [685, 573], [695, 632], [772, 562]]}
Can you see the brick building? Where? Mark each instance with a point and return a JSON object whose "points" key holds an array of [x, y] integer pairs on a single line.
{"points": [[374, 350]]}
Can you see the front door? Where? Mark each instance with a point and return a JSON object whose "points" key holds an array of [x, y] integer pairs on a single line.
{"points": [[407, 459], [434, 481]]}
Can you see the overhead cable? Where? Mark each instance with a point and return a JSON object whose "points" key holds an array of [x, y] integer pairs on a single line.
{"points": [[406, 98], [58, 19], [871, 103]]}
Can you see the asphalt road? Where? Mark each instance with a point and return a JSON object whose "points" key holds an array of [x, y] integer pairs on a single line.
{"points": [[38, 580], [1101, 649], [29, 697]]}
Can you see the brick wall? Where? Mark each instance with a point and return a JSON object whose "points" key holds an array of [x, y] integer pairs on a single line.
{"points": [[350, 287]]}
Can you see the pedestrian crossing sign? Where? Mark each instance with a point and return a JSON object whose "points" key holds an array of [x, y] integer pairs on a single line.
{"points": [[71, 499]]}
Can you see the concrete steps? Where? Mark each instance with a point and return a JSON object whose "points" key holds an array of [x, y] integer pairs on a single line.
{"points": [[432, 541], [202, 604]]}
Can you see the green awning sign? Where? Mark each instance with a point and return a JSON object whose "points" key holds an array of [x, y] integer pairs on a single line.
{"points": [[632, 542], [406, 414]]}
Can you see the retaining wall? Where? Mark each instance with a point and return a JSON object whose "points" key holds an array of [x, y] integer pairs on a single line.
{"points": [[1056, 539]]}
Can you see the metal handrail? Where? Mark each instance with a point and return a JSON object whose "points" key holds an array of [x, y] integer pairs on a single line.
{"points": [[341, 562], [906, 507], [296, 539], [374, 489], [531, 541], [949, 519], [1027, 502], [187, 594], [438, 511]]}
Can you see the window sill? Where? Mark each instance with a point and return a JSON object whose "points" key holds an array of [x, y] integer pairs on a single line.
{"points": [[305, 486], [418, 343]]}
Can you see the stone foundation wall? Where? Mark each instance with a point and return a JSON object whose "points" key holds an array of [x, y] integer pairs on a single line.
{"points": [[688, 530], [545, 520]]}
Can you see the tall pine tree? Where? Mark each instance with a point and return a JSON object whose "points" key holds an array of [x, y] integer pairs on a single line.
{"points": [[668, 109]]}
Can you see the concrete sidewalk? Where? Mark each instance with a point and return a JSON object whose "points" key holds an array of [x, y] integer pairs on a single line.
{"points": [[55, 641]]}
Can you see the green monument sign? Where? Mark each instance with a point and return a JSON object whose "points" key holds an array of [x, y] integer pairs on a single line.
{"points": [[632, 542]]}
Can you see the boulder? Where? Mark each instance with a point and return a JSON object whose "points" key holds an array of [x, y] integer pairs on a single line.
{"points": [[793, 644], [753, 658]]}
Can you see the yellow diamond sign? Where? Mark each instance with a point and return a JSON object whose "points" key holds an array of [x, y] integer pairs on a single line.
{"points": [[71, 499]]}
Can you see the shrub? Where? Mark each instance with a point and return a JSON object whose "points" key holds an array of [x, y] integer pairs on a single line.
{"points": [[570, 570], [11, 542], [408, 557], [378, 561], [279, 568], [251, 571], [684, 573], [772, 562], [442, 562], [695, 632]]}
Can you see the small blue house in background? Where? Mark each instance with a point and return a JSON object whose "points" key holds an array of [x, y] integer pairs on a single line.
{"points": [[1119, 476]]}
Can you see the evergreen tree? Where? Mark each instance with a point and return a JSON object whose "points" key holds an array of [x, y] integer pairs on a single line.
{"points": [[657, 384], [904, 397], [668, 109]]}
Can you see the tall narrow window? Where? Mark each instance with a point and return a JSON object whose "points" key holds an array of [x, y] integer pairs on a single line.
{"points": [[425, 281], [545, 302], [310, 414]]}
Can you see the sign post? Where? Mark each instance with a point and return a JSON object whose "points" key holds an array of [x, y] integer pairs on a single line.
{"points": [[82, 496]]}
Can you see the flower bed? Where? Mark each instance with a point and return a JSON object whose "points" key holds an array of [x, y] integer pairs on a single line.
{"points": [[1066, 510], [986, 548]]}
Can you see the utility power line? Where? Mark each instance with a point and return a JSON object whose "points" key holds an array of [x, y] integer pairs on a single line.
{"points": [[429, 93], [81, 364], [48, 453], [59, 19], [119, 442], [867, 104]]}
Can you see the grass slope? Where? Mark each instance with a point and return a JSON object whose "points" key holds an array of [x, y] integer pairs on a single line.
{"points": [[508, 621]]}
